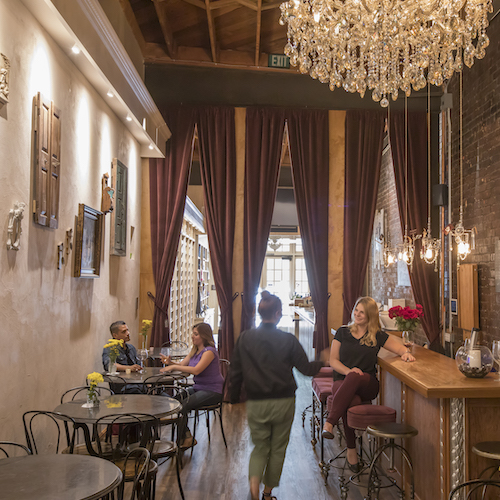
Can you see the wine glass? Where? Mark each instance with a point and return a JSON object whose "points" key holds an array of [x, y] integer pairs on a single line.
{"points": [[407, 337], [142, 355], [495, 350]]}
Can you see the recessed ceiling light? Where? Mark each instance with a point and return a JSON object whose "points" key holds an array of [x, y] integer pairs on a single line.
{"points": [[109, 93], [75, 49], [150, 146], [129, 118]]}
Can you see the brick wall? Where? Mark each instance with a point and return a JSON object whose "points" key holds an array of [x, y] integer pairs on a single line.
{"points": [[481, 174], [383, 282]]}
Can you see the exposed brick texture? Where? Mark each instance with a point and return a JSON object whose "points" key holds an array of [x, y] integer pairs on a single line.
{"points": [[481, 173]]}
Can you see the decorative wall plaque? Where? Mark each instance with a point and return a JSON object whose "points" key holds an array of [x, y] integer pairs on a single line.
{"points": [[4, 78], [119, 180]]}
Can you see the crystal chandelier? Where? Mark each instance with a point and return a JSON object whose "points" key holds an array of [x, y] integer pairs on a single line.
{"points": [[431, 247], [388, 257], [384, 45], [464, 238], [274, 243]]}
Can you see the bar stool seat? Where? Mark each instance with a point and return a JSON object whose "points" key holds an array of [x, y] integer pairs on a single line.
{"points": [[390, 431], [362, 416], [488, 449]]}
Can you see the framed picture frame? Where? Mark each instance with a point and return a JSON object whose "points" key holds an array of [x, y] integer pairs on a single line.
{"points": [[454, 307], [88, 242]]}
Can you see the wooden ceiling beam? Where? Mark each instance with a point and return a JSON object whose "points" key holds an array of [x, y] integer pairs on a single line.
{"points": [[220, 4], [258, 33], [196, 3], [211, 31], [248, 3], [161, 12], [196, 56], [134, 25], [272, 5]]}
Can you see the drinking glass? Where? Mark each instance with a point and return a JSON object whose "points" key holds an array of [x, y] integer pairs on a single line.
{"points": [[142, 355], [407, 337], [495, 350]]}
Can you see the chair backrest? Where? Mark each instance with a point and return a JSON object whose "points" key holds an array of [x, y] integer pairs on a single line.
{"points": [[477, 488], [9, 448], [170, 390], [81, 393], [42, 428], [141, 459], [130, 427], [224, 367]]}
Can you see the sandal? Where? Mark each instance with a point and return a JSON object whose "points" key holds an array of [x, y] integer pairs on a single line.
{"points": [[268, 496], [188, 442]]}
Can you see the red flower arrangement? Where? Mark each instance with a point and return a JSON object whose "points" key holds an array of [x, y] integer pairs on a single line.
{"points": [[406, 318]]}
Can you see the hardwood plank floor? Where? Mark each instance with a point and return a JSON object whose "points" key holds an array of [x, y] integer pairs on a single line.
{"points": [[216, 473]]}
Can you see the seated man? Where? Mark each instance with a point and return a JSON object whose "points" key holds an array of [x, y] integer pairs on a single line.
{"points": [[127, 358]]}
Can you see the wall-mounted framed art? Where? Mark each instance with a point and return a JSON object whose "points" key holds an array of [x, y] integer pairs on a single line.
{"points": [[118, 236], [88, 242]]}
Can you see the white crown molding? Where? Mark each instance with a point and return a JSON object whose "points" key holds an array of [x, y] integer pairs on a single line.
{"points": [[106, 65]]}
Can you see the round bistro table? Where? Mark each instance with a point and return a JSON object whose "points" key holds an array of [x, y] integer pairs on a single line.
{"points": [[57, 477]]}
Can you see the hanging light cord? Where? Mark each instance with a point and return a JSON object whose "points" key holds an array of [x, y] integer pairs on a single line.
{"points": [[461, 152], [429, 157], [406, 166]]}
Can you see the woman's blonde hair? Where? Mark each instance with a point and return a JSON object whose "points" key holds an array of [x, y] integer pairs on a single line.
{"points": [[371, 312], [205, 332]]}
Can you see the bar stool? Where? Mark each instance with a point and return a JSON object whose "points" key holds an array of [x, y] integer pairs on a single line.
{"points": [[390, 431], [322, 389], [491, 450], [485, 449], [359, 417], [325, 372]]}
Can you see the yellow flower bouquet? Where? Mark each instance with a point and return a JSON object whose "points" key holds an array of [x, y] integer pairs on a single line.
{"points": [[145, 327], [114, 351], [93, 380]]}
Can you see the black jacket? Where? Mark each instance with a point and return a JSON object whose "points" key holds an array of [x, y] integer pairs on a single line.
{"points": [[263, 359]]}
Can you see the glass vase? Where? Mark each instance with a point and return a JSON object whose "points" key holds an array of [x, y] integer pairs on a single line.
{"points": [[112, 368], [92, 399], [474, 362]]}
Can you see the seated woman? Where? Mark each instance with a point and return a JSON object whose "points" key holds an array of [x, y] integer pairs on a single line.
{"points": [[203, 363], [353, 356]]}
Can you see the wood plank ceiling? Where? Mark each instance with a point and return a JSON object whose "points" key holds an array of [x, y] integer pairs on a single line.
{"points": [[224, 33]]}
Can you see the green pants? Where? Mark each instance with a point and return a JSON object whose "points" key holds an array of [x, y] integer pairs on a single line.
{"points": [[270, 421]]}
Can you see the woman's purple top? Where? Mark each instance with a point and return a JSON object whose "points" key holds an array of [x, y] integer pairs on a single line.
{"points": [[210, 378]]}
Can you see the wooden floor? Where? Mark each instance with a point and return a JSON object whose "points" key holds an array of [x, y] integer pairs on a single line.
{"points": [[216, 473]]}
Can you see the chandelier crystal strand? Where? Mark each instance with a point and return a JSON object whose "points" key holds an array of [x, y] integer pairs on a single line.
{"points": [[388, 255], [464, 238], [429, 251], [384, 46]]}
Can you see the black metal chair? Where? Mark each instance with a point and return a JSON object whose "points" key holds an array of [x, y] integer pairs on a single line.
{"points": [[80, 392], [39, 424], [170, 448], [5, 445], [118, 434], [472, 489], [216, 408], [178, 348], [137, 469]]}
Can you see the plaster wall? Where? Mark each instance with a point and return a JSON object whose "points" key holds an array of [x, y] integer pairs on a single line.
{"points": [[53, 326]]}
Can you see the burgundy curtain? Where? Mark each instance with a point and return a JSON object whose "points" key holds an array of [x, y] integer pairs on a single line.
{"points": [[264, 137], [309, 152], [364, 140], [216, 134], [168, 181], [424, 280]]}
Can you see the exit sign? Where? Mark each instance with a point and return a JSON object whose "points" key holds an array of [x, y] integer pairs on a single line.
{"points": [[278, 61]]}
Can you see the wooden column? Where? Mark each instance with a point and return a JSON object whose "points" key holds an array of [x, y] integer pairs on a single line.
{"points": [[336, 217], [239, 118]]}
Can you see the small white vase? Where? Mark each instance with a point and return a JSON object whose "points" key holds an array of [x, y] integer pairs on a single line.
{"points": [[112, 368]]}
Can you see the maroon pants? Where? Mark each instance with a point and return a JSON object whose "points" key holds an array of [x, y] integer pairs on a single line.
{"points": [[344, 392]]}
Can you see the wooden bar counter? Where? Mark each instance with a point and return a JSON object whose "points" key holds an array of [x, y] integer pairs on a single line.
{"points": [[450, 411]]}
